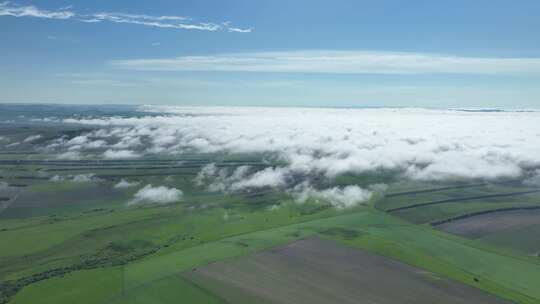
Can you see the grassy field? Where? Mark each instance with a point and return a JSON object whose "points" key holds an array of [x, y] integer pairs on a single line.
{"points": [[509, 276], [425, 205]]}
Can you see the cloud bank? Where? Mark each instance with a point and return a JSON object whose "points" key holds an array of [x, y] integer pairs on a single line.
{"points": [[303, 148], [339, 62], [166, 21], [420, 144]]}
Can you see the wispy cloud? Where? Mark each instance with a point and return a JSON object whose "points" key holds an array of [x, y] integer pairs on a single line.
{"points": [[6, 9], [172, 22], [166, 21], [346, 62], [239, 30], [236, 29]]}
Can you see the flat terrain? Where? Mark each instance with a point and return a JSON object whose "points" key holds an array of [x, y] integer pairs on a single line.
{"points": [[315, 270], [515, 229], [422, 204]]}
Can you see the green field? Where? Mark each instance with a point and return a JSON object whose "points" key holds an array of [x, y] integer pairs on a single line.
{"points": [[513, 277]]}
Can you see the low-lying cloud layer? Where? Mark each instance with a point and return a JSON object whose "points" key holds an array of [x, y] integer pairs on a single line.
{"points": [[424, 144], [300, 144]]}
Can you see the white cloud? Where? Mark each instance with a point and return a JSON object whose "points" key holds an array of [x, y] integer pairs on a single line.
{"points": [[239, 30], [418, 143], [83, 178], [230, 28], [240, 178], [344, 62], [207, 172], [78, 140], [156, 195], [69, 155], [57, 178], [32, 138], [470, 166], [95, 144], [269, 177], [78, 178], [127, 142], [120, 16], [120, 154], [166, 21], [152, 21], [223, 180], [123, 184], [345, 197], [6, 9]]}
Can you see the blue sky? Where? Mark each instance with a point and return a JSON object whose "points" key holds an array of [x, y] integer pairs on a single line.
{"points": [[287, 53]]}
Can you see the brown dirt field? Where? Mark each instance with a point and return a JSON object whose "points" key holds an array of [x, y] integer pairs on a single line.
{"points": [[482, 225], [316, 271]]}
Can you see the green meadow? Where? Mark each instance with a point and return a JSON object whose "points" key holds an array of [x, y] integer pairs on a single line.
{"points": [[509, 276]]}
